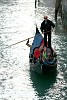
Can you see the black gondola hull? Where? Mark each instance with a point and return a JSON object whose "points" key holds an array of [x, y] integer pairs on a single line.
{"points": [[43, 67]]}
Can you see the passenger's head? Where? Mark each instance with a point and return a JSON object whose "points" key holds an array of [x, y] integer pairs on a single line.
{"points": [[45, 49], [48, 51]]}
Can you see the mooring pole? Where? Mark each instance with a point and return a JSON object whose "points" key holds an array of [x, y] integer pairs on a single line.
{"points": [[35, 3]]}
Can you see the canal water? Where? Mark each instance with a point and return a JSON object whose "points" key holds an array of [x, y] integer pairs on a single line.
{"points": [[17, 22]]}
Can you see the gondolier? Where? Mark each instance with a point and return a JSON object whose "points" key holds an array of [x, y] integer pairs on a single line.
{"points": [[46, 26]]}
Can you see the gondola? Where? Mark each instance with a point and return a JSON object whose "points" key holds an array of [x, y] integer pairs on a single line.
{"points": [[43, 60]]}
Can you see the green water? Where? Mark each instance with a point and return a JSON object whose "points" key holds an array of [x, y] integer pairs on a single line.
{"points": [[17, 82]]}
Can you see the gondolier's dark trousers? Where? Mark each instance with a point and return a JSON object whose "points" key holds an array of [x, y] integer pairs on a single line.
{"points": [[47, 38]]}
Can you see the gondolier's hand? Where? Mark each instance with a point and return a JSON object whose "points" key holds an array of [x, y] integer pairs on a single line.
{"points": [[43, 32]]}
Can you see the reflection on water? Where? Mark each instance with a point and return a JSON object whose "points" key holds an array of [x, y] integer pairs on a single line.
{"points": [[17, 22], [42, 83]]}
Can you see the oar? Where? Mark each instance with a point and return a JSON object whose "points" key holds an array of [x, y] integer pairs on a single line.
{"points": [[25, 39], [19, 42]]}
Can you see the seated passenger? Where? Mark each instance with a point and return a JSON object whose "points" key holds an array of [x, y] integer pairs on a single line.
{"points": [[46, 55]]}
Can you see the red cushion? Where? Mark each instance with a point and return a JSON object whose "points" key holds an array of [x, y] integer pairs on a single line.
{"points": [[37, 53]]}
